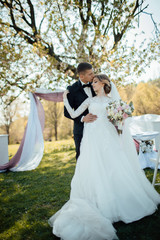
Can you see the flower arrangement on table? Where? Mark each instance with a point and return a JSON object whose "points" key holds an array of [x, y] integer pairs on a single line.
{"points": [[146, 146], [118, 111]]}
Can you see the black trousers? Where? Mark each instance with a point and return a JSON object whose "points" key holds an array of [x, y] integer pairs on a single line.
{"points": [[77, 140]]}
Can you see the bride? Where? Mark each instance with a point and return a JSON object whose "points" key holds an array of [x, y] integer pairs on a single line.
{"points": [[108, 184]]}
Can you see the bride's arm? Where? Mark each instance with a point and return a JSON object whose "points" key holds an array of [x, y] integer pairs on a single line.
{"points": [[75, 113]]}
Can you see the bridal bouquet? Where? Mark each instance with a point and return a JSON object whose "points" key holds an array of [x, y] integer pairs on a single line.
{"points": [[118, 111]]}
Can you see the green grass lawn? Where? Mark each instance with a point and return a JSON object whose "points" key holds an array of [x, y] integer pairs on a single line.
{"points": [[28, 199]]}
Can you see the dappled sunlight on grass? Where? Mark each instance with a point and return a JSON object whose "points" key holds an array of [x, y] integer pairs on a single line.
{"points": [[28, 199], [58, 146], [55, 146]]}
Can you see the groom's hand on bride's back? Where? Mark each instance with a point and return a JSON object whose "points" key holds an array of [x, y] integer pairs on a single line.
{"points": [[89, 118]]}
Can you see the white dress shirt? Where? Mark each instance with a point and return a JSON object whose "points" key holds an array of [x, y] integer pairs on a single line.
{"points": [[87, 89]]}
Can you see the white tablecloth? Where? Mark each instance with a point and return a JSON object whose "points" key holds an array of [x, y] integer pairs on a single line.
{"points": [[143, 136]]}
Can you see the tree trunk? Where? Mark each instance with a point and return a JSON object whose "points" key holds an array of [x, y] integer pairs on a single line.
{"points": [[7, 132], [56, 130], [55, 121]]}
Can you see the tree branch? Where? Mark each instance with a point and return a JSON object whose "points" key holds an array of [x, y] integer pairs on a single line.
{"points": [[83, 20], [89, 2], [64, 27], [155, 25], [80, 11], [39, 30], [118, 35], [31, 39], [33, 22], [107, 27], [102, 12], [140, 11], [27, 36], [22, 11]]}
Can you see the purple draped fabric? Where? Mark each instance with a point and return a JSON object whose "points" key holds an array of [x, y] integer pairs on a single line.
{"points": [[54, 97]]}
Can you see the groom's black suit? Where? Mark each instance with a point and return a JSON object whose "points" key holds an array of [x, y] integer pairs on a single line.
{"points": [[75, 97]]}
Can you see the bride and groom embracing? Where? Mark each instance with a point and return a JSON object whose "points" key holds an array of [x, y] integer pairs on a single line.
{"points": [[108, 184]]}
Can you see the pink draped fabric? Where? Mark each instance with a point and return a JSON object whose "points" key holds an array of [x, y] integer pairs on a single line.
{"points": [[14, 161], [55, 97], [137, 145]]}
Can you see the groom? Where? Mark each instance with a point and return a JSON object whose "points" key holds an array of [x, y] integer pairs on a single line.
{"points": [[78, 92]]}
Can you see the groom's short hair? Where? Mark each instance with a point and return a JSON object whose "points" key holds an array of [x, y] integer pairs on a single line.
{"points": [[83, 67]]}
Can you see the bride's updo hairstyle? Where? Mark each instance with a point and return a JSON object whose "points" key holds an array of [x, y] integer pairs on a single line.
{"points": [[104, 79]]}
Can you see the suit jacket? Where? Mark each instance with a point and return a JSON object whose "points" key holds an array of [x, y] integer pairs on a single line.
{"points": [[75, 97]]}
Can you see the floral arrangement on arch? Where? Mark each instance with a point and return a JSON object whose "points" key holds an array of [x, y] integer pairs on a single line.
{"points": [[118, 111]]}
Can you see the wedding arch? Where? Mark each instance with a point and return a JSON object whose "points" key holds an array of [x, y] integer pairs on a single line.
{"points": [[30, 151]]}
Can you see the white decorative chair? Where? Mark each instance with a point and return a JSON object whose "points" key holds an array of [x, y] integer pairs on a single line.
{"points": [[146, 123], [151, 123], [156, 161]]}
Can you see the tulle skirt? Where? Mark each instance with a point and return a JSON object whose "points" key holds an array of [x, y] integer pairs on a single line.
{"points": [[108, 186]]}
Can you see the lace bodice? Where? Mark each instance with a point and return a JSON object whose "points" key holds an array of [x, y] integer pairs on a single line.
{"points": [[96, 105]]}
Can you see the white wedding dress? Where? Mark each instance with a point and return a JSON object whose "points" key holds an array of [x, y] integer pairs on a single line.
{"points": [[108, 184]]}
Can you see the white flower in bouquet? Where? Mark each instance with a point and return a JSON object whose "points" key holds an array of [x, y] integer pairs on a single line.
{"points": [[118, 111]]}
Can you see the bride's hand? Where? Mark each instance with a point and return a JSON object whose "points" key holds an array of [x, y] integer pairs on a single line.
{"points": [[65, 94]]}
